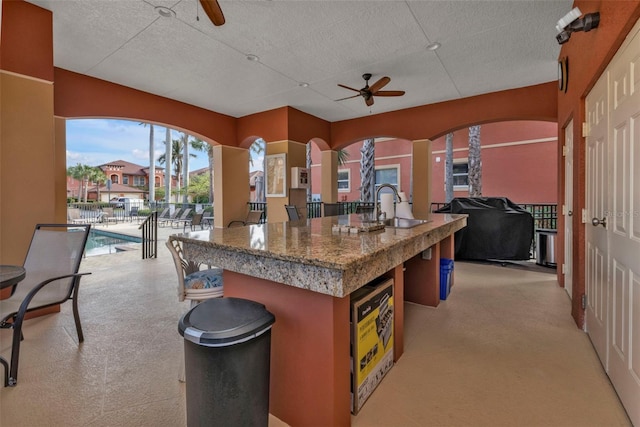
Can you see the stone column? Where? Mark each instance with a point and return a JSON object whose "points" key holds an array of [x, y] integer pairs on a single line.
{"points": [[230, 184], [31, 161], [329, 176], [421, 171], [296, 156]]}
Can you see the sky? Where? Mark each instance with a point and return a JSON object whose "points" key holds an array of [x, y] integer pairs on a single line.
{"points": [[95, 142]]}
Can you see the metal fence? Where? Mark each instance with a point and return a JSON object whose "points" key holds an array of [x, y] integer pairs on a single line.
{"points": [[149, 229], [545, 215]]}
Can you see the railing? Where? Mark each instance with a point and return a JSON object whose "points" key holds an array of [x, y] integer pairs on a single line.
{"points": [[545, 215], [314, 209], [91, 212], [149, 229]]}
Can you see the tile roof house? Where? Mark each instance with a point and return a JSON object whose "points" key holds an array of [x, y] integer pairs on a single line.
{"points": [[127, 180]]}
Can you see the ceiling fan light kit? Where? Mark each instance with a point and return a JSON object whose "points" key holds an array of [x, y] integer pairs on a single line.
{"points": [[367, 93], [433, 46], [165, 12]]}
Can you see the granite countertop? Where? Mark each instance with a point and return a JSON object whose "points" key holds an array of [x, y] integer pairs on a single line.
{"points": [[311, 254]]}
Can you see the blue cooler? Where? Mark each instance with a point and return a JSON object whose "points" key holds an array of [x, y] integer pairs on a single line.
{"points": [[446, 268]]}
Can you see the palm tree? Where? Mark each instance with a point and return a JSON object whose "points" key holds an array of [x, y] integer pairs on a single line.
{"points": [[74, 172], [97, 176], [308, 166], [81, 173], [209, 150], [152, 163], [178, 157], [169, 161], [368, 171], [448, 168], [475, 162], [343, 156]]}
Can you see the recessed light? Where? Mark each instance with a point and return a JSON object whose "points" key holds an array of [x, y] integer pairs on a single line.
{"points": [[252, 57], [434, 46], [303, 84], [165, 12]]}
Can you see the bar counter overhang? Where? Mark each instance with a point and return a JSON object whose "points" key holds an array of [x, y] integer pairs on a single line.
{"points": [[303, 272]]}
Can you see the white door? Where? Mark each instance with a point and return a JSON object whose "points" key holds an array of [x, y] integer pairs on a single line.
{"points": [[613, 236], [624, 226], [596, 207], [568, 208]]}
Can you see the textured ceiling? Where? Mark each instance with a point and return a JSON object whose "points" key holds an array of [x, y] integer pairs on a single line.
{"points": [[487, 46]]}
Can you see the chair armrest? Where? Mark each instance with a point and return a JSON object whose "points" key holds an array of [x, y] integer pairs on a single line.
{"points": [[27, 299]]}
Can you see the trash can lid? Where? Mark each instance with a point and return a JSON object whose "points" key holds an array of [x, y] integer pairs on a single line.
{"points": [[220, 322]]}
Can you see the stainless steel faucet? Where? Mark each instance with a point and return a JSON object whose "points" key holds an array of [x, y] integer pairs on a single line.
{"points": [[378, 197]]}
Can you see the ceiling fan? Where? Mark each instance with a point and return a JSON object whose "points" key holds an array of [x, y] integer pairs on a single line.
{"points": [[369, 92], [213, 11]]}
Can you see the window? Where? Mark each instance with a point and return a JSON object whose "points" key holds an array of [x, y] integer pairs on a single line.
{"points": [[344, 180], [114, 179], [138, 181], [388, 174], [125, 179], [461, 174]]}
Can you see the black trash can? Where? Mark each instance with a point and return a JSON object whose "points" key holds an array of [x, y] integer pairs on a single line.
{"points": [[227, 349]]}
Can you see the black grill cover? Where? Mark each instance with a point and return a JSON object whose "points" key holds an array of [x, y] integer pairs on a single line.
{"points": [[496, 228]]}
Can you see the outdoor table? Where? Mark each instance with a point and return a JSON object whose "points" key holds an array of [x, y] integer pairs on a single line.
{"points": [[10, 275]]}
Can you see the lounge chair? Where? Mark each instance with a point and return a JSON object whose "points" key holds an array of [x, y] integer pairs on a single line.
{"points": [[168, 219], [183, 218], [74, 216], [107, 215], [52, 277], [253, 217]]}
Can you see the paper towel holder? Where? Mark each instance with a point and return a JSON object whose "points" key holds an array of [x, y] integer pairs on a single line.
{"points": [[395, 191]]}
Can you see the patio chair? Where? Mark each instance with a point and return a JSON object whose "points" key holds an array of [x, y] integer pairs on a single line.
{"points": [[194, 221], [194, 285], [52, 277], [253, 217], [133, 213], [292, 211]]}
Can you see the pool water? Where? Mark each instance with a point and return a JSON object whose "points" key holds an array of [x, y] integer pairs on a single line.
{"points": [[102, 242]]}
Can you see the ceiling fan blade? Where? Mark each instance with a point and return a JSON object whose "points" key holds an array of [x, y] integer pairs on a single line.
{"points": [[369, 101], [350, 88], [348, 97], [390, 93], [213, 11], [379, 84]]}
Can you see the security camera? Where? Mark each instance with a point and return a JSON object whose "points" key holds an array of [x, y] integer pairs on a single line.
{"points": [[568, 19], [571, 23]]}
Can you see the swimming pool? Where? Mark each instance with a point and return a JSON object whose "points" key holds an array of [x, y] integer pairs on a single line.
{"points": [[102, 242]]}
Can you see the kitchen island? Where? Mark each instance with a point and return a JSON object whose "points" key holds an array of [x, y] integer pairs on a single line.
{"points": [[303, 272]]}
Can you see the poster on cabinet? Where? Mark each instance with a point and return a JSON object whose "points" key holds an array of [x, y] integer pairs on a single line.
{"points": [[372, 339]]}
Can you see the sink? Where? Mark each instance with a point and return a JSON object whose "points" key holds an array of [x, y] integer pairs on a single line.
{"points": [[403, 222]]}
